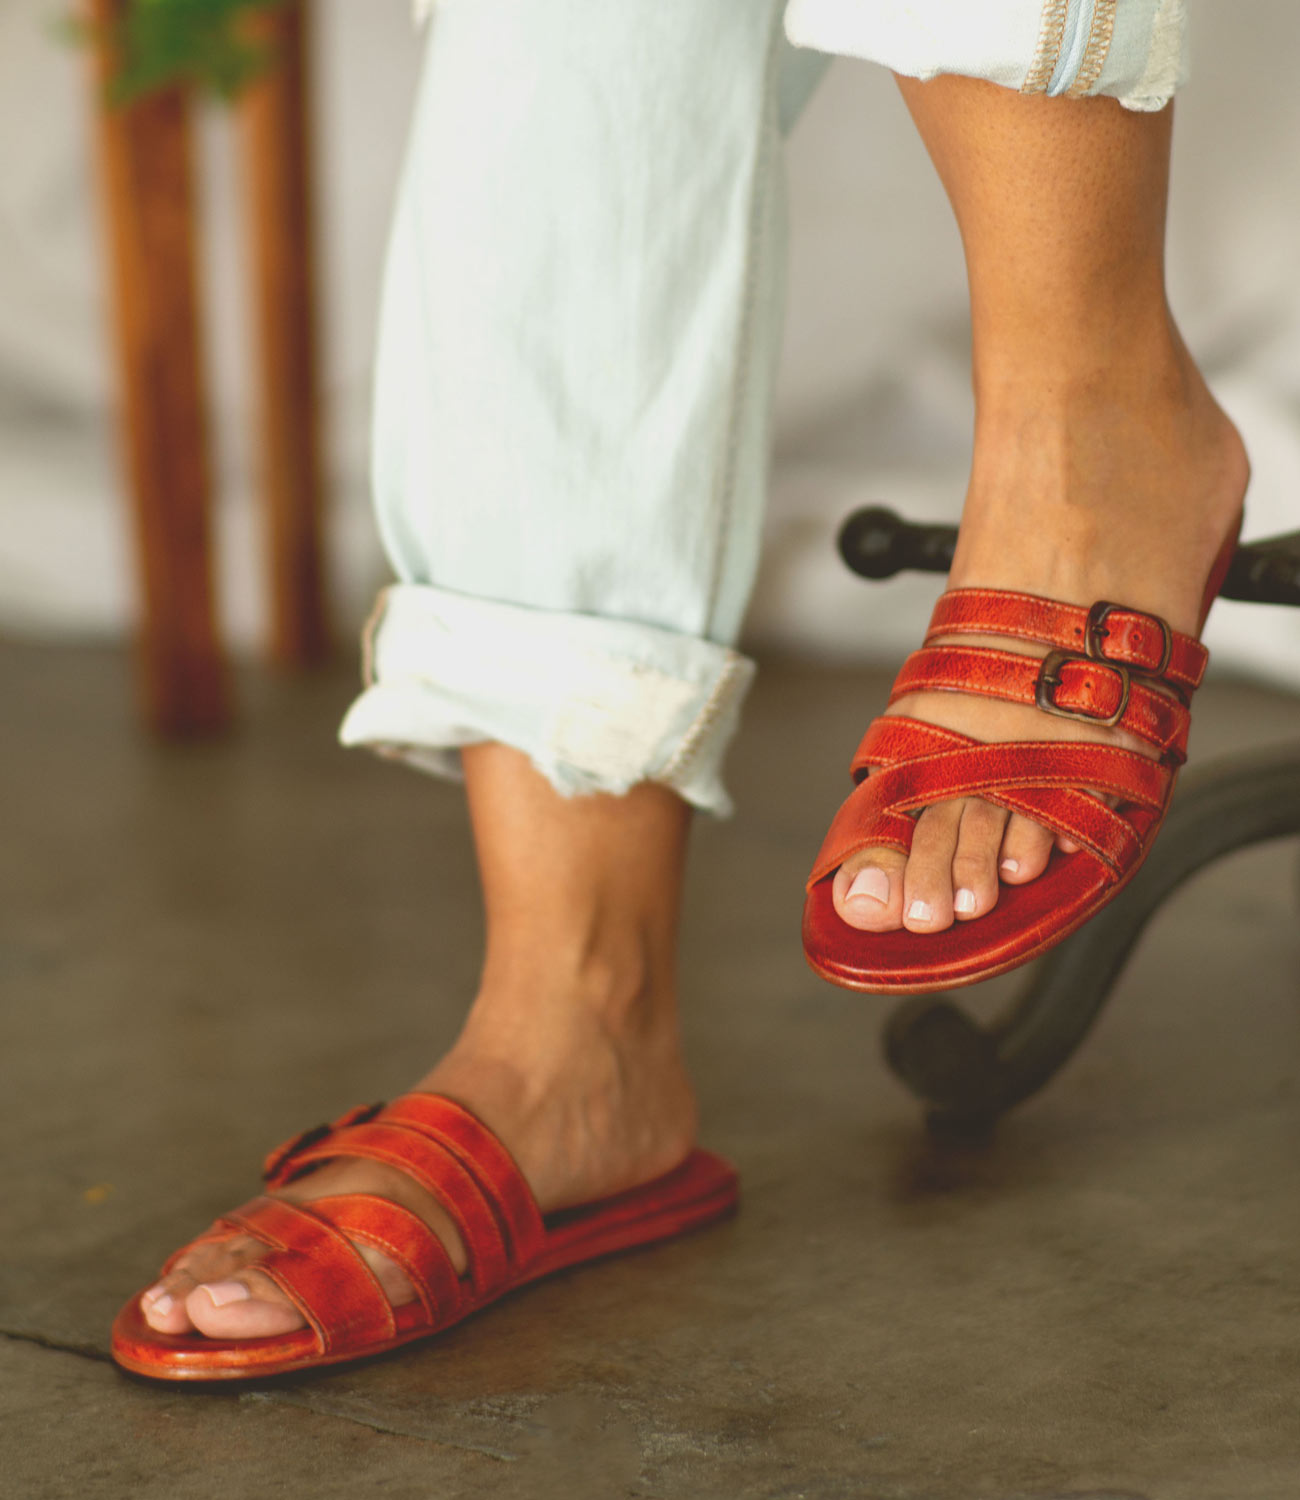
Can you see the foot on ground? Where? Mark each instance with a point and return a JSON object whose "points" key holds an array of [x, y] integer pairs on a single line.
{"points": [[589, 1099]]}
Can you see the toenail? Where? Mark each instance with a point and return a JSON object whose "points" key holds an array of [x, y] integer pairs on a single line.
{"points": [[222, 1292], [919, 911], [964, 900], [157, 1301], [1009, 866], [870, 881]]}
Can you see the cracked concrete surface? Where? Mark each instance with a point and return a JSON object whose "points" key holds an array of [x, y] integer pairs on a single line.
{"points": [[204, 949]]}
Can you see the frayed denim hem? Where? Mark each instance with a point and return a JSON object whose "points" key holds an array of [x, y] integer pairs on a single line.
{"points": [[597, 705], [1133, 50]]}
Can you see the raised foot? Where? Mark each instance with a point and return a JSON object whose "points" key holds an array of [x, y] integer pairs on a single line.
{"points": [[1130, 504]]}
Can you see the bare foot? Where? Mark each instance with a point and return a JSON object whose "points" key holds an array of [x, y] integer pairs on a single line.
{"points": [[1124, 494]]}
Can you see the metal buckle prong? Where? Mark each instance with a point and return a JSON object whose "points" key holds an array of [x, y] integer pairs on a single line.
{"points": [[1049, 679]]}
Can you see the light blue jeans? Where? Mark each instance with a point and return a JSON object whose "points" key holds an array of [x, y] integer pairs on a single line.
{"points": [[578, 338]]}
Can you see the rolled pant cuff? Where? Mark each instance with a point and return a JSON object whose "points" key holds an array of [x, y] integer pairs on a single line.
{"points": [[1134, 50], [596, 704]]}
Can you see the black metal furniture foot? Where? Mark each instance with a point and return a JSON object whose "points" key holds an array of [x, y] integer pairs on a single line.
{"points": [[969, 1073]]}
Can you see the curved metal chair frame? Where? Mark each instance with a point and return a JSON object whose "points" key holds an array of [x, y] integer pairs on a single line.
{"points": [[968, 1073]]}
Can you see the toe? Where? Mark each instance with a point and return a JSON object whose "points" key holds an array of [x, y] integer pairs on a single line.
{"points": [[247, 1306], [868, 890], [927, 884], [163, 1305], [1026, 848], [975, 864]]}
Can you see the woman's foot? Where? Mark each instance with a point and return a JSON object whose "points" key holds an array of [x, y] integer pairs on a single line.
{"points": [[1103, 469], [571, 1054], [588, 1105], [1123, 490]]}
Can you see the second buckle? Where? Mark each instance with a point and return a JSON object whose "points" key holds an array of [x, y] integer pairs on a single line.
{"points": [[1095, 633], [1049, 679]]}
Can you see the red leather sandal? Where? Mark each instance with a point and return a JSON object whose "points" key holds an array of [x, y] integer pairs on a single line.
{"points": [[1103, 668], [454, 1156]]}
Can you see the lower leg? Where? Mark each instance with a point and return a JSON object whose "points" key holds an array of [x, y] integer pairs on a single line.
{"points": [[575, 1025], [1102, 466], [571, 1052], [1085, 393]]}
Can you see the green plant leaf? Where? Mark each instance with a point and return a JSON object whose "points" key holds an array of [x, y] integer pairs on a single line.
{"points": [[201, 43]]}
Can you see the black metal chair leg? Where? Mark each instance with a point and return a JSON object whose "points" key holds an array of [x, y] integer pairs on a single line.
{"points": [[970, 1074]]}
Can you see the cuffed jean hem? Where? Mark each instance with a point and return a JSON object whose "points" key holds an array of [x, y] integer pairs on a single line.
{"points": [[596, 704], [1132, 50]]}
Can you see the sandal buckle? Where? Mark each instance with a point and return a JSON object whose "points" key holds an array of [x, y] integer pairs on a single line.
{"points": [[278, 1164], [1095, 633], [1049, 679]]}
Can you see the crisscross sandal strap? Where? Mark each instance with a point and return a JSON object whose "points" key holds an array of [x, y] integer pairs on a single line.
{"points": [[1042, 778], [439, 1173], [404, 1238], [1070, 687], [320, 1271], [1106, 632], [1140, 784], [481, 1153], [1114, 840], [895, 739]]}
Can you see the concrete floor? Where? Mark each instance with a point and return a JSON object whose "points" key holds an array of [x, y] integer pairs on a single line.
{"points": [[204, 949]]}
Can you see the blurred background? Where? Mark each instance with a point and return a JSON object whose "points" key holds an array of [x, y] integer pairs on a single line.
{"points": [[873, 401]]}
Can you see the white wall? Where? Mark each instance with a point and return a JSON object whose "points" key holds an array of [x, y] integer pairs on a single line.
{"points": [[873, 401]]}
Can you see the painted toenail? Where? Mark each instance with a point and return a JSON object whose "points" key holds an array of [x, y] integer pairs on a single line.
{"points": [[870, 881], [158, 1302], [222, 1292], [1009, 866], [964, 900], [919, 911]]}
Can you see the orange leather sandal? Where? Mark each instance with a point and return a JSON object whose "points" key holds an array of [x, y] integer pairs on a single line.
{"points": [[455, 1157], [1108, 665]]}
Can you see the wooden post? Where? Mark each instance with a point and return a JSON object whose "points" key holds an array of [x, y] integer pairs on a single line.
{"points": [[146, 168], [275, 123]]}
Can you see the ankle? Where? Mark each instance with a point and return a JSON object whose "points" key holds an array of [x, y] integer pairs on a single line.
{"points": [[1129, 352], [1144, 437], [618, 983], [590, 1094], [1077, 485], [542, 1025]]}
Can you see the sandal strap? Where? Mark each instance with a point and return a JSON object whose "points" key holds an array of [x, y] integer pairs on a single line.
{"points": [[403, 1237], [320, 1271], [1041, 778], [438, 1172], [279, 1165], [481, 1153], [454, 1157], [1107, 632], [1061, 683], [1112, 840], [894, 739]]}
